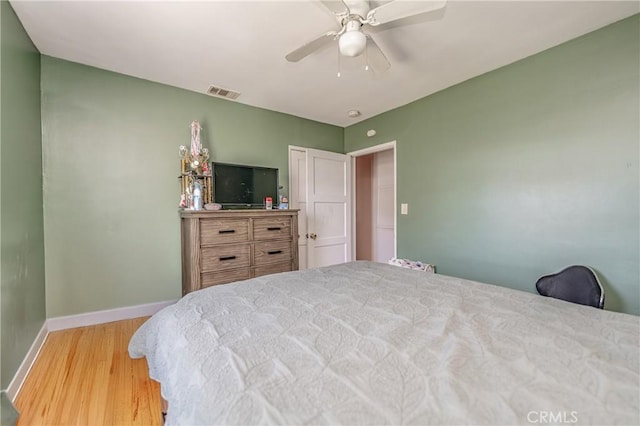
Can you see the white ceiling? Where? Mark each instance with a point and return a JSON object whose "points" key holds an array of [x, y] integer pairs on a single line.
{"points": [[241, 45]]}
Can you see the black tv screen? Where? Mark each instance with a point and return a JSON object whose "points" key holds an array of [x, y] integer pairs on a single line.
{"points": [[240, 186]]}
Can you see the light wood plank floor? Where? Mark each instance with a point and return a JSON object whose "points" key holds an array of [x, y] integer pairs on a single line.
{"points": [[84, 376]]}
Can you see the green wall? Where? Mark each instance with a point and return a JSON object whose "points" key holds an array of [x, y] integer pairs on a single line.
{"points": [[527, 169], [21, 243], [110, 146]]}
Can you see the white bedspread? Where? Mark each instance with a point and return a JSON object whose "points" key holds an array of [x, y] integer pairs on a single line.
{"points": [[368, 343]]}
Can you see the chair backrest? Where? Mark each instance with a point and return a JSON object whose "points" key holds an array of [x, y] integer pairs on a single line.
{"points": [[577, 284]]}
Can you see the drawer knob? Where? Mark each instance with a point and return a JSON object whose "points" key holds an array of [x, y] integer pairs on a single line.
{"points": [[313, 236], [226, 231], [274, 228], [274, 252], [222, 258]]}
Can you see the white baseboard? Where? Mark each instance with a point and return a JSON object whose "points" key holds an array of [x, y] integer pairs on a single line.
{"points": [[109, 315], [27, 362], [73, 321]]}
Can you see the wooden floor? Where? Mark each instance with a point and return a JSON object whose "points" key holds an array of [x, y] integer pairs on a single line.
{"points": [[84, 376]]}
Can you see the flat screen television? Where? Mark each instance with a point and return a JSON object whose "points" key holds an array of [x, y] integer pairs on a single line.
{"points": [[237, 186]]}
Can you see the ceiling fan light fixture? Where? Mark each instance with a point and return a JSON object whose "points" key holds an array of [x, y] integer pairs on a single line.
{"points": [[353, 16], [352, 43]]}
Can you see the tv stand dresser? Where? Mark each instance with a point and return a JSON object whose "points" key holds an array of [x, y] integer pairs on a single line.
{"points": [[223, 246]]}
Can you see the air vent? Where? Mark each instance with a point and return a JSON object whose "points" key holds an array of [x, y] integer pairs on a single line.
{"points": [[223, 93]]}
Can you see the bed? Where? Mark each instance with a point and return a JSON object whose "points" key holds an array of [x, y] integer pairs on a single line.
{"points": [[370, 343]]}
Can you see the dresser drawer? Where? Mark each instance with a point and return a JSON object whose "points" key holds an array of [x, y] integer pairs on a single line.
{"points": [[272, 228], [272, 252], [272, 269], [218, 258], [218, 231], [222, 277]]}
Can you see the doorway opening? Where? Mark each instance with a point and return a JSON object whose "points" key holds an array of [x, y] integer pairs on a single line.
{"points": [[374, 216]]}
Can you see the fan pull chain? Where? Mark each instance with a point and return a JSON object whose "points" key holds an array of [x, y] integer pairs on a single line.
{"points": [[366, 56], [339, 63]]}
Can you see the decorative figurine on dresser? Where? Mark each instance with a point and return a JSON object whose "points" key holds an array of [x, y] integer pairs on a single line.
{"points": [[195, 174]]}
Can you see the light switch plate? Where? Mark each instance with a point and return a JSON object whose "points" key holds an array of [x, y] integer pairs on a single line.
{"points": [[404, 208]]}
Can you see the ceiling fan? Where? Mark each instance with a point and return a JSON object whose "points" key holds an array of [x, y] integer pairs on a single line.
{"points": [[353, 15]]}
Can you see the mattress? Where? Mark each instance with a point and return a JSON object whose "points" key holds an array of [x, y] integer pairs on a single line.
{"points": [[369, 343]]}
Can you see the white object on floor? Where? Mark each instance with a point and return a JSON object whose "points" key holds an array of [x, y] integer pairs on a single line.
{"points": [[416, 265]]}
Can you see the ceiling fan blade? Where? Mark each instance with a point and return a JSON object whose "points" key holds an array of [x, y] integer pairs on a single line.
{"points": [[375, 58], [311, 47], [399, 9], [338, 7]]}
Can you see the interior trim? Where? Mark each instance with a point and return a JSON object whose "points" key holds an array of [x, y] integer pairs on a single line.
{"points": [[109, 315], [27, 362], [366, 151]]}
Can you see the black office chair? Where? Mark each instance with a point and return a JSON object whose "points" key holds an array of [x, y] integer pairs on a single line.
{"points": [[577, 284]]}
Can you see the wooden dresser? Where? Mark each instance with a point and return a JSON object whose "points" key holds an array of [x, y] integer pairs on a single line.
{"points": [[230, 245]]}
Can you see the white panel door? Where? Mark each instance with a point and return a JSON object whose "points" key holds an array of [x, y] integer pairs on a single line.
{"points": [[328, 208]]}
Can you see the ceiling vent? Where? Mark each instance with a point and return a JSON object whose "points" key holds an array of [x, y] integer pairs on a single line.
{"points": [[223, 93]]}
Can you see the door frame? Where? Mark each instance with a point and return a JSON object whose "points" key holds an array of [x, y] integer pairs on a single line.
{"points": [[302, 227], [366, 151]]}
